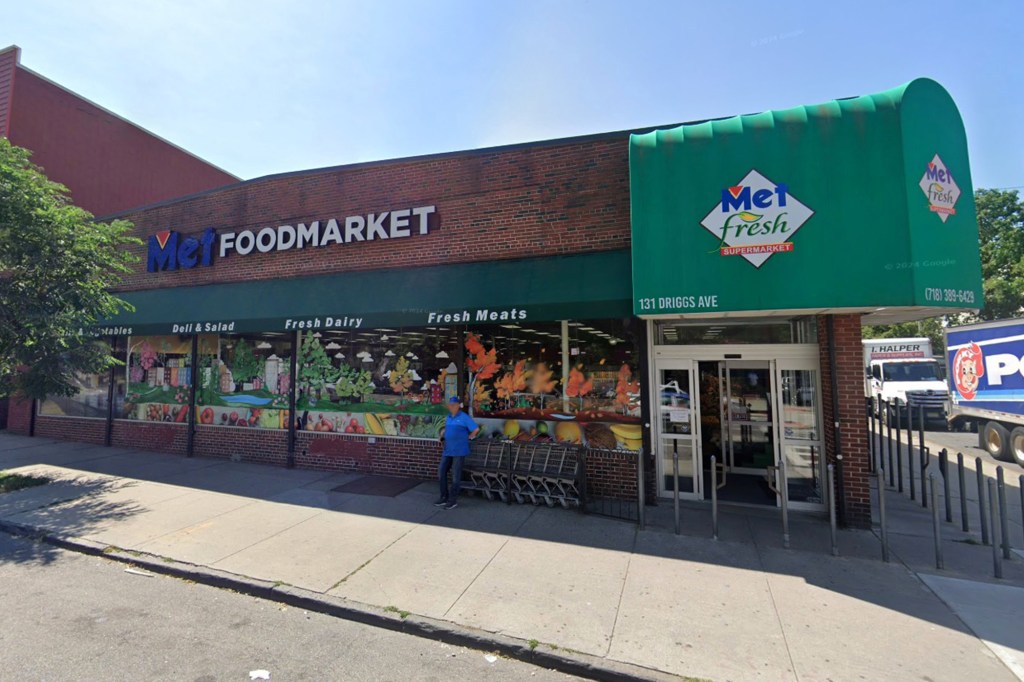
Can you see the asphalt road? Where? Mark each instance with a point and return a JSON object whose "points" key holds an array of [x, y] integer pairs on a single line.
{"points": [[967, 443], [65, 616]]}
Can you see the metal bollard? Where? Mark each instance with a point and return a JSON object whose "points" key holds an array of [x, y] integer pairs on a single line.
{"points": [[962, 481], [714, 497], [936, 526], [920, 427], [910, 460], [675, 482], [640, 514], [1020, 483], [888, 444], [925, 465], [944, 470], [881, 515], [1004, 525], [997, 556], [784, 496], [899, 450], [982, 507], [831, 471]]}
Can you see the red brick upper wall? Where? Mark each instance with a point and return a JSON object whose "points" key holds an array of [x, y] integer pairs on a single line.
{"points": [[516, 202], [108, 163]]}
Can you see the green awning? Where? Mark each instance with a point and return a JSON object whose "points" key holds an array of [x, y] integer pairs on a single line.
{"points": [[858, 204], [584, 286]]}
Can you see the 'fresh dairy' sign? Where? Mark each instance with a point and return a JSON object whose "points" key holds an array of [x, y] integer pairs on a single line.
{"points": [[168, 250]]}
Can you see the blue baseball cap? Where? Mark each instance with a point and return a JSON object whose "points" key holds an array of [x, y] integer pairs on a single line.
{"points": [[454, 400]]}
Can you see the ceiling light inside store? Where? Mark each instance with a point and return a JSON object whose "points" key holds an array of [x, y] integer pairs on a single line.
{"points": [[389, 354], [510, 326], [385, 337], [263, 345], [442, 355], [332, 346], [367, 358], [340, 356], [317, 335], [409, 354]]}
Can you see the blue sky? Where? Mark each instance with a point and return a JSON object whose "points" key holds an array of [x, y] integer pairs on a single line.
{"points": [[262, 87]]}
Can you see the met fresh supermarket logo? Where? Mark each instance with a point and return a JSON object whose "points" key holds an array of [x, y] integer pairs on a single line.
{"points": [[755, 219], [169, 250], [938, 185]]}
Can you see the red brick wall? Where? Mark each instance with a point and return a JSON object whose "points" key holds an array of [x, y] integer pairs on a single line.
{"points": [[512, 203], [169, 437], [852, 421], [108, 163], [612, 475], [19, 415], [72, 428], [8, 66]]}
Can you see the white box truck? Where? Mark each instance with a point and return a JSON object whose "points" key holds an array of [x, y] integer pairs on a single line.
{"points": [[898, 372]]}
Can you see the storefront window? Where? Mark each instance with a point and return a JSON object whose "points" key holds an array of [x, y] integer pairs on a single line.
{"points": [[753, 330], [158, 374], [573, 382], [244, 381], [382, 382], [91, 400]]}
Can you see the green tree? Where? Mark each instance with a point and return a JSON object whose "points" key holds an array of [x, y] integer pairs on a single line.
{"points": [[1001, 230], [57, 266]]}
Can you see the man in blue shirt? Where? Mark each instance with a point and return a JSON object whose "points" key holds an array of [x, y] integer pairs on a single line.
{"points": [[459, 427]]}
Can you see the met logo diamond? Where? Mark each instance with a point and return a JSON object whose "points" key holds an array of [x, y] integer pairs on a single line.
{"points": [[938, 185], [755, 219]]}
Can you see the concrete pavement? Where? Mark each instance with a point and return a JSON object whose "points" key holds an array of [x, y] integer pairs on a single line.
{"points": [[742, 608]]}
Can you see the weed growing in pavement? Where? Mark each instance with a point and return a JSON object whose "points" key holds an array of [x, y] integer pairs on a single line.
{"points": [[394, 609], [11, 482], [533, 644]]}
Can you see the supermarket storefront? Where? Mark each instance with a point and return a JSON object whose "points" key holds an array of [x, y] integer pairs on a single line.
{"points": [[759, 245], [687, 292]]}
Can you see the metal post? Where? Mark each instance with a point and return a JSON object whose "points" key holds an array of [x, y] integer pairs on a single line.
{"points": [[899, 449], [871, 438], [675, 481], [920, 430], [982, 507], [640, 519], [924, 466], [193, 381], [936, 526], [714, 497], [962, 481], [832, 509], [881, 515], [1020, 484], [997, 556], [909, 453], [1004, 529], [888, 442], [784, 496], [944, 470], [293, 383]]}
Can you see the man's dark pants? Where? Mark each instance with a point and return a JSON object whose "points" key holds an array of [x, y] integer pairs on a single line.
{"points": [[455, 464]]}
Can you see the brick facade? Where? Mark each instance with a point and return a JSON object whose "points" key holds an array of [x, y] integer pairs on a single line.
{"points": [[545, 199], [854, 504]]}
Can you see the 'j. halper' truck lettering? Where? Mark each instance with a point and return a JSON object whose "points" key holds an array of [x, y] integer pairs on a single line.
{"points": [[169, 251]]}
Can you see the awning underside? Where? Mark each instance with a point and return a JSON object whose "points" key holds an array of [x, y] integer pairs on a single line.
{"points": [[594, 285]]}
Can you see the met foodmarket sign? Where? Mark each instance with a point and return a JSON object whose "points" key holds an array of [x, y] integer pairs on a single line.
{"points": [[169, 250]]}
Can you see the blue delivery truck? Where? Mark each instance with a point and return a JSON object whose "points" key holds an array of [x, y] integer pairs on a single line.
{"points": [[986, 385]]}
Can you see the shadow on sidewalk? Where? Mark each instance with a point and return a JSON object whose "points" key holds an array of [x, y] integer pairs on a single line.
{"points": [[85, 498]]}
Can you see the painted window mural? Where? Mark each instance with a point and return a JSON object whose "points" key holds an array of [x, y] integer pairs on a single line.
{"points": [[380, 382], [572, 381], [244, 381]]}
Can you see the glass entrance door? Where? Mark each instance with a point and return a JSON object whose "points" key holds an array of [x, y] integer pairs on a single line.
{"points": [[801, 438], [676, 429], [749, 437]]}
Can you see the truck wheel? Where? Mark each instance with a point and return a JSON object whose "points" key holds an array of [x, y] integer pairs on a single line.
{"points": [[995, 440], [1017, 445]]}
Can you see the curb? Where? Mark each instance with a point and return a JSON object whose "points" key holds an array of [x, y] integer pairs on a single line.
{"points": [[563, 660]]}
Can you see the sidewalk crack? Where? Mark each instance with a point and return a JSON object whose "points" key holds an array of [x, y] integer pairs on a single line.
{"points": [[485, 566], [622, 592]]}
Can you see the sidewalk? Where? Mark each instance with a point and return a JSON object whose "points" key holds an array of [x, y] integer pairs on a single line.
{"points": [[741, 608]]}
